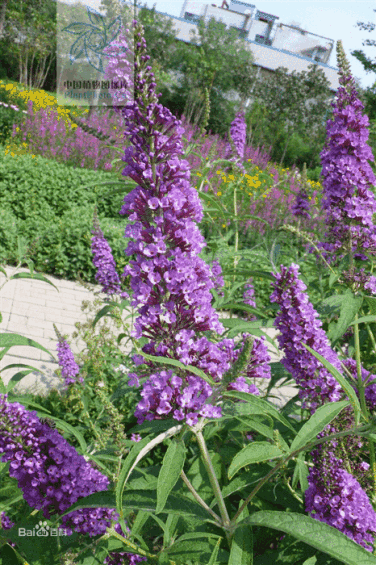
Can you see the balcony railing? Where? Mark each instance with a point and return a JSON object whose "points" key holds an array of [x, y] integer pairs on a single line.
{"points": [[262, 40]]}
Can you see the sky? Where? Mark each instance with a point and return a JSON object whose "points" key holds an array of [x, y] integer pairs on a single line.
{"points": [[334, 19]]}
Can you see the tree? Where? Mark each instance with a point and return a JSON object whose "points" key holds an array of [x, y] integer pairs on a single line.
{"points": [[30, 25], [216, 59], [299, 101], [368, 64]]}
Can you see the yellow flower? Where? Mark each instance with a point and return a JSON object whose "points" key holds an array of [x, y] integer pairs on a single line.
{"points": [[223, 225], [199, 174], [219, 193], [218, 172], [250, 193], [231, 177]]}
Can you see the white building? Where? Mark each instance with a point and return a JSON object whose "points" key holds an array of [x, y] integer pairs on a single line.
{"points": [[272, 43]]}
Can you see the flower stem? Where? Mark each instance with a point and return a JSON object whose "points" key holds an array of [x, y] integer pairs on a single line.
{"points": [[214, 483], [199, 499]]}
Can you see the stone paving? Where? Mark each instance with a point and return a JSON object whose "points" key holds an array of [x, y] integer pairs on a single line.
{"points": [[30, 307]]}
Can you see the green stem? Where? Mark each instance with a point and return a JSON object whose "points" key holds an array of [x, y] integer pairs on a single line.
{"points": [[359, 371], [199, 499], [283, 461], [111, 532], [214, 483]]}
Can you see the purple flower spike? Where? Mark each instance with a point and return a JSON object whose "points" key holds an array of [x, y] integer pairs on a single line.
{"points": [[49, 471], [238, 131], [348, 179], [301, 206], [248, 298], [69, 367], [336, 498], [104, 262], [298, 322], [171, 284]]}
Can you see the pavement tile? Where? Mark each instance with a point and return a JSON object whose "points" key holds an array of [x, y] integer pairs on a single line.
{"points": [[33, 308]]}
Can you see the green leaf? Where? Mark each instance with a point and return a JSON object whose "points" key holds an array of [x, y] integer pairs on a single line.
{"points": [[260, 403], [33, 276], [339, 378], [350, 306], [321, 418], [190, 368], [244, 307], [214, 555], [255, 452], [172, 465], [103, 312], [364, 319], [11, 340], [317, 534], [137, 453], [242, 542], [18, 376]]}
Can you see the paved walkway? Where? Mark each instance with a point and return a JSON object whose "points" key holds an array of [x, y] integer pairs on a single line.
{"points": [[30, 307]]}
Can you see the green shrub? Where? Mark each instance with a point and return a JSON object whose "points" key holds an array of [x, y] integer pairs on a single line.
{"points": [[54, 203]]}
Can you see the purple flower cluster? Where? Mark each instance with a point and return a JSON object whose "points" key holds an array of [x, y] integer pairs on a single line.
{"points": [[119, 68], [69, 367], [170, 283], [49, 471], [5, 522], [347, 176], [298, 321], [104, 262], [248, 298], [301, 206], [238, 131], [335, 497], [165, 393]]}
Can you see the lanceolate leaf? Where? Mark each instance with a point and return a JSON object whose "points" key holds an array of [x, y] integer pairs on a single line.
{"points": [[11, 340], [317, 534], [173, 463], [255, 452], [323, 416], [337, 375]]}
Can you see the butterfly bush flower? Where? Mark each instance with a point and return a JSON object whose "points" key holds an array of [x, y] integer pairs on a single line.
{"points": [[170, 282], [49, 471], [5, 522], [301, 206], [69, 367], [348, 178], [335, 496], [248, 298], [119, 69], [104, 262], [298, 321], [238, 131]]}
